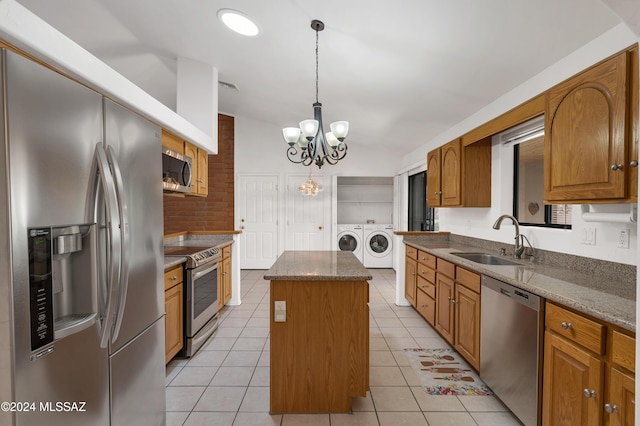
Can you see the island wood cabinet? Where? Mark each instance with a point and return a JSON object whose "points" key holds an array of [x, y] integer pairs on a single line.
{"points": [[587, 381], [174, 337], [224, 276], [591, 134], [199, 162], [460, 176], [320, 353]]}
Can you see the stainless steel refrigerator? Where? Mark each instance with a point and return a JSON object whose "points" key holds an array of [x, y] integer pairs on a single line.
{"points": [[81, 249]]}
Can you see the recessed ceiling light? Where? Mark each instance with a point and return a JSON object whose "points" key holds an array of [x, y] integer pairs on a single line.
{"points": [[238, 22]]}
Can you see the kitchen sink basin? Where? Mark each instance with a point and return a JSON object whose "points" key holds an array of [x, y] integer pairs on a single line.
{"points": [[485, 258]]}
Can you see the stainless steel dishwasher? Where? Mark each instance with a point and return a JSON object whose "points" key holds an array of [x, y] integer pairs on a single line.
{"points": [[511, 346]]}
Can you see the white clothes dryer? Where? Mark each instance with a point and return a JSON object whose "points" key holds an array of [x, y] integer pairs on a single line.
{"points": [[378, 246], [351, 238]]}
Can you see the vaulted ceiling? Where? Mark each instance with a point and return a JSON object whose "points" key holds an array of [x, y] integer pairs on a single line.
{"points": [[401, 72]]}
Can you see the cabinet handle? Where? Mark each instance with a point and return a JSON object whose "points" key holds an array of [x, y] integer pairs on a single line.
{"points": [[199, 181], [611, 408], [424, 306], [633, 163], [449, 298], [453, 301], [615, 167], [566, 326], [589, 393], [174, 278]]}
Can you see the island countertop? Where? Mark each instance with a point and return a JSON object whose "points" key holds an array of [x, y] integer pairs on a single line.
{"points": [[318, 266]]}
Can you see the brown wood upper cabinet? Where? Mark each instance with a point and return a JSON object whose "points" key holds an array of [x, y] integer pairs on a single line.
{"points": [[199, 169], [591, 134], [460, 176]]}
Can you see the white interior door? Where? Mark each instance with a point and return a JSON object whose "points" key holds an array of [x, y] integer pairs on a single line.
{"points": [[257, 210], [305, 221]]}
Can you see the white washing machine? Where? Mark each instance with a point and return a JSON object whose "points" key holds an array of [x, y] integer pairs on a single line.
{"points": [[378, 246], [351, 238]]}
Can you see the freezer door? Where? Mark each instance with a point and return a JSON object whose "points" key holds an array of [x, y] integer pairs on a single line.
{"points": [[134, 146], [68, 387], [137, 380], [52, 126]]}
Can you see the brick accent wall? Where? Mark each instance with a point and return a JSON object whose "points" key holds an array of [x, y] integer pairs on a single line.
{"points": [[215, 212]]}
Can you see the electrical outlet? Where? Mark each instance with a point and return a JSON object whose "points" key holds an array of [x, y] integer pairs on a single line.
{"points": [[280, 311], [623, 238]]}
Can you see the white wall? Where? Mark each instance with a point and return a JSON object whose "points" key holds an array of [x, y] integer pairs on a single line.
{"points": [[260, 148], [477, 222]]}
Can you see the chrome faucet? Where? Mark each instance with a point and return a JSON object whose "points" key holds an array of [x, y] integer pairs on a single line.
{"points": [[519, 244]]}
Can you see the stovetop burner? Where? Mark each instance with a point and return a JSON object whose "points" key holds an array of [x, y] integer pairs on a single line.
{"points": [[196, 256]]}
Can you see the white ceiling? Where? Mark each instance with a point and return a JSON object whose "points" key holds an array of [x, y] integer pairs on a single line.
{"points": [[401, 72]]}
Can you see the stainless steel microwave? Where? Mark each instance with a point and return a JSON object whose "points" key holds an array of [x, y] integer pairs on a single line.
{"points": [[176, 171]]}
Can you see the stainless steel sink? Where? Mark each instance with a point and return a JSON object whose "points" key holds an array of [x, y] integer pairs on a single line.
{"points": [[485, 258]]}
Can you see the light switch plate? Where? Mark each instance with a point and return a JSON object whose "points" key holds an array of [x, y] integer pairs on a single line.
{"points": [[280, 311]]}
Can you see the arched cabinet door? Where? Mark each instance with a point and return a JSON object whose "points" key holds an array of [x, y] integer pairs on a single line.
{"points": [[451, 174], [585, 146]]}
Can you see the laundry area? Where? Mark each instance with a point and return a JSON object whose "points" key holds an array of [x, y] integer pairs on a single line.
{"points": [[365, 219]]}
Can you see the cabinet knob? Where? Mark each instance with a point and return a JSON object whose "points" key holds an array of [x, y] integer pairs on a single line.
{"points": [[174, 278], [424, 306], [589, 393], [566, 326], [615, 167], [611, 408], [633, 163], [453, 301], [449, 298]]}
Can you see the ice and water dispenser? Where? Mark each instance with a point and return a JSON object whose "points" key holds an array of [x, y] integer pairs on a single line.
{"points": [[62, 281]]}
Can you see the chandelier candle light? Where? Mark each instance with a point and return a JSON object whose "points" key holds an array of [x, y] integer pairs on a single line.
{"points": [[307, 143]]}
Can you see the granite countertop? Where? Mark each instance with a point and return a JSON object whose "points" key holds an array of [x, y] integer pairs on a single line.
{"points": [[207, 240], [318, 266], [607, 299]]}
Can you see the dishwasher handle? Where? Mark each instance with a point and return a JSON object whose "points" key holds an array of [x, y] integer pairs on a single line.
{"points": [[507, 290]]}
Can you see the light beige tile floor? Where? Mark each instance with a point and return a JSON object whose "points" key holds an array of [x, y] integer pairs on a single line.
{"points": [[227, 381]]}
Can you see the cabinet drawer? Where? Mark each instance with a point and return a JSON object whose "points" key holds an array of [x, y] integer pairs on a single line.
{"points": [[426, 306], [428, 287], [446, 268], [623, 351], [226, 251], [426, 273], [172, 277], [412, 252], [575, 327], [469, 279], [427, 259]]}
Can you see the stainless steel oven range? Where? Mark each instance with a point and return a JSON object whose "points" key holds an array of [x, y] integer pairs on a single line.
{"points": [[201, 294]]}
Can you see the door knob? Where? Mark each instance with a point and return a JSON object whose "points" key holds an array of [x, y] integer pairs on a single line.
{"points": [[566, 326], [611, 408]]}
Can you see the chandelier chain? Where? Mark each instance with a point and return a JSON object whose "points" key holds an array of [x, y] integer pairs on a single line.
{"points": [[317, 65]]}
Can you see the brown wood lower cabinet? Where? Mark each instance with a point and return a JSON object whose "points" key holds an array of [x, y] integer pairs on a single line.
{"points": [[173, 309], [410, 267], [586, 382], [467, 324], [224, 277], [572, 393], [444, 307]]}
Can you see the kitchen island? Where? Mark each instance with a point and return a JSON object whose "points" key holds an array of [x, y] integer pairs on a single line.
{"points": [[319, 331]]}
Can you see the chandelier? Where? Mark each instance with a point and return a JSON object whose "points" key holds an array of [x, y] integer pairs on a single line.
{"points": [[310, 187], [308, 143]]}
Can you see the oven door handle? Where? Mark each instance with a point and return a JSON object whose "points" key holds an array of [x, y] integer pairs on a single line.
{"points": [[198, 274]]}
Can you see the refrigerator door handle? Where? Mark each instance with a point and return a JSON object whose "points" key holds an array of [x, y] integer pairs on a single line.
{"points": [[113, 254], [124, 237]]}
